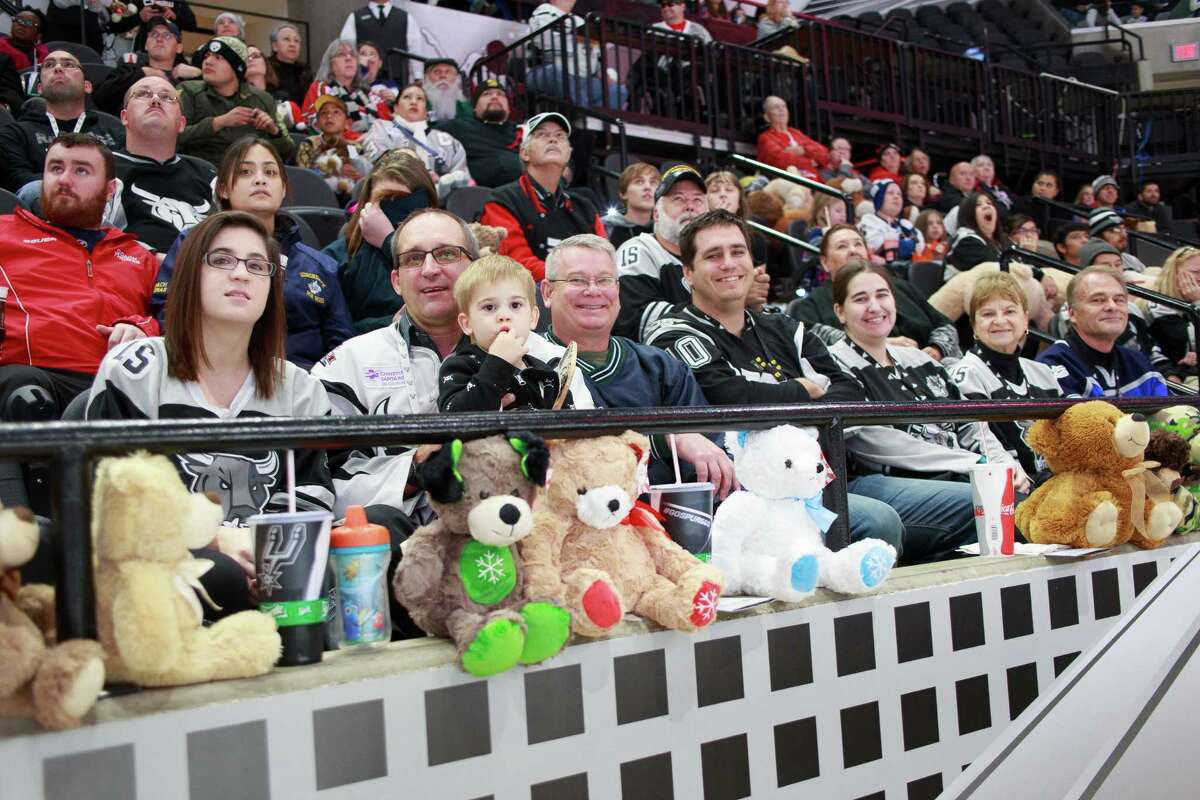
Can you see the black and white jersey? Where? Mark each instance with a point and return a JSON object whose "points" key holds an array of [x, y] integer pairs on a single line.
{"points": [[917, 448], [159, 200], [984, 374], [133, 383], [652, 284]]}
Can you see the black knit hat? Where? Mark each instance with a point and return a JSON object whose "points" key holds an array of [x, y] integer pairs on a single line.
{"points": [[230, 48]]}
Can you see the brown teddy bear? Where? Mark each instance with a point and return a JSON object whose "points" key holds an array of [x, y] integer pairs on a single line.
{"points": [[1098, 496], [488, 237], [148, 615], [461, 577], [55, 685], [587, 556]]}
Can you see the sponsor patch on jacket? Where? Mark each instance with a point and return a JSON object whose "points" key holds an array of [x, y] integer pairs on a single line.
{"points": [[385, 377], [123, 256], [314, 287]]}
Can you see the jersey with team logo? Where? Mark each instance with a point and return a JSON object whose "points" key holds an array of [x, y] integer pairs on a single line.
{"points": [[160, 199], [134, 383], [1082, 371], [652, 284]]}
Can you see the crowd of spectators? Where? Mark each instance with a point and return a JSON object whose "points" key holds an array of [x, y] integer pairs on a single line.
{"points": [[181, 285]]}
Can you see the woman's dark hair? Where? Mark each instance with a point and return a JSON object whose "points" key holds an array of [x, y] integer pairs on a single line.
{"points": [[968, 217], [851, 270], [184, 317], [395, 165], [1016, 221], [827, 237], [232, 160]]}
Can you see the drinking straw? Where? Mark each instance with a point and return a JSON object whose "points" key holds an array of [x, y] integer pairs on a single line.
{"points": [[291, 481], [675, 457]]}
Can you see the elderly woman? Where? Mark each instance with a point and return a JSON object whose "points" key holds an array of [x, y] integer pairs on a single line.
{"points": [[917, 325], [228, 23], [995, 370], [292, 75], [442, 154], [338, 75]]}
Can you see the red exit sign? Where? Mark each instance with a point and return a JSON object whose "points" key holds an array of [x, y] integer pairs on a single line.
{"points": [[1185, 51]]}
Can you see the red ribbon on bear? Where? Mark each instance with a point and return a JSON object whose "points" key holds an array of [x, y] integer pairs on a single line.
{"points": [[644, 515]]}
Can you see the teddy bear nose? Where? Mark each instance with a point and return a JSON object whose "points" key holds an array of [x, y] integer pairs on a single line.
{"points": [[613, 505], [509, 514], [1137, 418]]}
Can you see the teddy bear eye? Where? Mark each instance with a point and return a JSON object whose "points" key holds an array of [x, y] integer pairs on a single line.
{"points": [[820, 468], [787, 464], [515, 492], [484, 495], [581, 490]]}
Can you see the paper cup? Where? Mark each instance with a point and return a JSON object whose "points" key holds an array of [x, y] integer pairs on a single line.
{"points": [[291, 556], [993, 495], [687, 509]]}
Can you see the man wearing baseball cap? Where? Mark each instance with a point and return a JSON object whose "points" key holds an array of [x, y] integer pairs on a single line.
{"points": [[162, 58], [651, 270], [489, 137], [1105, 223], [221, 107], [537, 209]]}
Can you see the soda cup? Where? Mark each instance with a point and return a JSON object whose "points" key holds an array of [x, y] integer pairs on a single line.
{"points": [[291, 554], [994, 497], [687, 509]]}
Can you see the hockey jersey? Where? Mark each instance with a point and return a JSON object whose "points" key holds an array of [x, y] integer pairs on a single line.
{"points": [[133, 383], [652, 284], [160, 200], [1084, 372], [912, 449]]}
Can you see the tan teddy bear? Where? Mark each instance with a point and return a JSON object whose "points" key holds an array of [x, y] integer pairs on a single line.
{"points": [[1099, 483], [147, 611], [586, 555], [55, 685], [488, 237]]}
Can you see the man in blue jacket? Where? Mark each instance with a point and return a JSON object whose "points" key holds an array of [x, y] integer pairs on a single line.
{"points": [[1089, 362]]}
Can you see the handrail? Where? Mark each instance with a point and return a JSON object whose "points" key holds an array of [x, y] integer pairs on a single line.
{"points": [[1161, 238], [74, 446], [783, 237], [605, 117], [1125, 31], [1046, 262], [809, 183]]}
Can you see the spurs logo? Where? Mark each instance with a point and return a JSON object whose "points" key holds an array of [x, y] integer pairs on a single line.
{"points": [[280, 550]]}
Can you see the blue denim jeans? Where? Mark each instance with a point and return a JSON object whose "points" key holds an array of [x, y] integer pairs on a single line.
{"points": [[935, 517], [586, 92]]}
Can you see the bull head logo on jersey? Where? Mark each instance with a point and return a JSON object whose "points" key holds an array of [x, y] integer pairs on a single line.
{"points": [[171, 211], [244, 484]]}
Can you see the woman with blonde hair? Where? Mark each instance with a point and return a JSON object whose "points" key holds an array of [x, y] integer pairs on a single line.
{"points": [[1180, 278], [398, 185]]}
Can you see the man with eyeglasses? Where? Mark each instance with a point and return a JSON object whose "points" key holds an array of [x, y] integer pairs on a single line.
{"points": [[162, 58], [580, 290], [23, 144], [538, 210], [161, 191], [71, 289]]}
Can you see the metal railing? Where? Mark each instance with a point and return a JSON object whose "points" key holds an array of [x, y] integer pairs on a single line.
{"points": [[1163, 128], [73, 448], [780, 236], [800, 180]]}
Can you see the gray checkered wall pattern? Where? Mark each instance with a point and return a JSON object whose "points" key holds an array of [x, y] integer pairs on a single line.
{"points": [[877, 697]]}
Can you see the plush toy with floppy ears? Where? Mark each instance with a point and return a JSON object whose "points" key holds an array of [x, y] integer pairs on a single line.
{"points": [[461, 578], [588, 552], [147, 609], [1102, 492], [55, 685], [1182, 422], [768, 539]]}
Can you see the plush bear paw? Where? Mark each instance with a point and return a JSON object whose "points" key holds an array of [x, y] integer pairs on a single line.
{"points": [[1164, 519], [1101, 528], [68, 683], [798, 579], [704, 604], [497, 646], [601, 605], [876, 565], [547, 628]]}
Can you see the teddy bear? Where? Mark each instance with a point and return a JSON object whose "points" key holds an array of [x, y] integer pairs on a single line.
{"points": [[488, 237], [796, 199], [1183, 422], [1172, 451], [149, 617], [461, 577], [768, 539], [56, 685], [592, 556], [1101, 493]]}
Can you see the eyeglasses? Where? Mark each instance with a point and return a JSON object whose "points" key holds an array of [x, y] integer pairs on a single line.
{"points": [[1026, 230], [64, 63], [581, 284], [27, 23], [445, 255], [161, 34], [164, 97], [228, 261]]}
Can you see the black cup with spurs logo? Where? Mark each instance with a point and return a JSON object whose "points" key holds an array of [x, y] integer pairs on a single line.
{"points": [[687, 510], [291, 554]]}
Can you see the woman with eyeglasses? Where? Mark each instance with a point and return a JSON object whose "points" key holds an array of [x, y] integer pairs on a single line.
{"points": [[222, 357], [23, 44], [338, 75], [252, 179], [398, 185]]}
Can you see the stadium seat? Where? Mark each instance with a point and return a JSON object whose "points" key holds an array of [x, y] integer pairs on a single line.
{"points": [[76, 410], [307, 188], [5, 117], [8, 202], [96, 73], [85, 54], [926, 276], [307, 236], [324, 223], [468, 201]]}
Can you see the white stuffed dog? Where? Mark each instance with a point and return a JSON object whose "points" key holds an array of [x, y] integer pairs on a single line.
{"points": [[769, 540]]}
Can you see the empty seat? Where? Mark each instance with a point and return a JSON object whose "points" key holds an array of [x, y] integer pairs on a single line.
{"points": [[468, 201], [925, 14], [960, 11], [307, 188]]}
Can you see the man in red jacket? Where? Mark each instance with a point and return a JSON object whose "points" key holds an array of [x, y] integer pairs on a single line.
{"points": [[783, 147], [537, 210], [70, 288]]}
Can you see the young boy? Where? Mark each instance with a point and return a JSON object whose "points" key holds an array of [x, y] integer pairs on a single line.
{"points": [[497, 310]]}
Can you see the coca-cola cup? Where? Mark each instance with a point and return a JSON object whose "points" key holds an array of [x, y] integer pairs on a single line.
{"points": [[993, 495]]}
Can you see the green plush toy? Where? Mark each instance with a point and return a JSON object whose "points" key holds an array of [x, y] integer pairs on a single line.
{"points": [[461, 577], [1184, 421]]}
